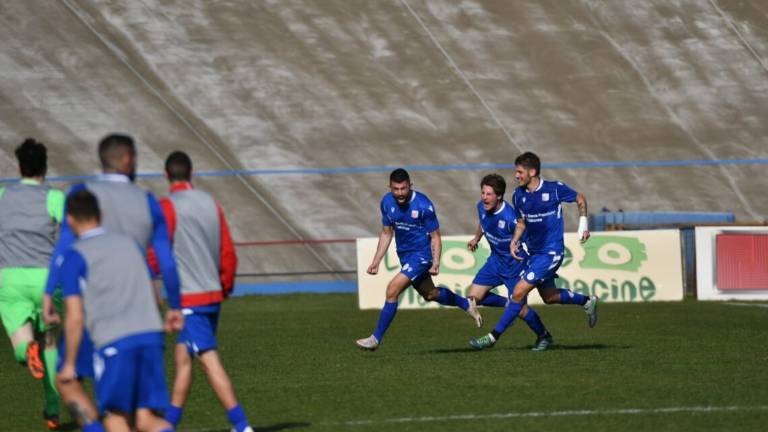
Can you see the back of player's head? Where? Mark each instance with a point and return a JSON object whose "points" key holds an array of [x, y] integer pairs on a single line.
{"points": [[529, 160], [178, 166], [496, 182], [33, 158], [399, 175], [83, 206], [112, 150]]}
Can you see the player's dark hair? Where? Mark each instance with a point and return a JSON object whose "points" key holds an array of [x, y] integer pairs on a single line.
{"points": [[496, 182], [529, 160], [399, 175], [178, 166], [112, 148], [33, 158], [83, 206]]}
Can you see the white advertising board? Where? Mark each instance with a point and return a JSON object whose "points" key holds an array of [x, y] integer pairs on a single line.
{"points": [[617, 266]]}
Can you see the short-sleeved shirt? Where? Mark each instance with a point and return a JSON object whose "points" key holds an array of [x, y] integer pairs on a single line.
{"points": [[543, 215], [412, 223], [499, 227]]}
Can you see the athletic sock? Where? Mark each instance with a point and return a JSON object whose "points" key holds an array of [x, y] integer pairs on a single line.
{"points": [[534, 322], [93, 427], [450, 298], [21, 352], [385, 319], [493, 300], [49, 381], [237, 417], [507, 318], [173, 414], [570, 297]]}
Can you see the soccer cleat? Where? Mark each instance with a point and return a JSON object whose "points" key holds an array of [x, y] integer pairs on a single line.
{"points": [[369, 344], [543, 342], [34, 362], [474, 313], [591, 309], [482, 342], [51, 421], [246, 429]]}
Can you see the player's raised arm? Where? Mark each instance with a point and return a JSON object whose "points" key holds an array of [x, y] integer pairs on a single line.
{"points": [[472, 244], [437, 250], [515, 244], [583, 230], [385, 238]]}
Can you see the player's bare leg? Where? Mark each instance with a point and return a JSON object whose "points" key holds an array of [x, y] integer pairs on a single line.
{"points": [[218, 378], [147, 421], [552, 295], [182, 381], [117, 422], [77, 402]]}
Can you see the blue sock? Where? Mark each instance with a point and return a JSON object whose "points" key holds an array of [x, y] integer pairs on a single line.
{"points": [[509, 315], [493, 300], [167, 430], [173, 414], [93, 427], [385, 319], [236, 416], [450, 298], [534, 322], [570, 297]]}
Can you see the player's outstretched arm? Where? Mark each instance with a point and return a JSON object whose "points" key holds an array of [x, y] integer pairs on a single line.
{"points": [[385, 238], [515, 244], [472, 245], [437, 250], [583, 230]]}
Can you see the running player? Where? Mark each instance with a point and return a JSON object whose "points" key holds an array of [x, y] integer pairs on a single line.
{"points": [[108, 290], [538, 205], [30, 213], [207, 262], [125, 209], [411, 217], [497, 224]]}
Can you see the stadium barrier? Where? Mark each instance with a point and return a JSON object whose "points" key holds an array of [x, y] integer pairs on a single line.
{"points": [[628, 266]]}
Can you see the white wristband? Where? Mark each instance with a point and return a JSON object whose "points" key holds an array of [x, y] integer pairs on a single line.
{"points": [[583, 226]]}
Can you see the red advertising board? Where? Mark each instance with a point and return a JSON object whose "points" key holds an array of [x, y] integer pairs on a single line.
{"points": [[742, 261]]}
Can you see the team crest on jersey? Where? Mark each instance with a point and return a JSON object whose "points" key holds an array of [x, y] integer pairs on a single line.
{"points": [[502, 224], [545, 196], [414, 214], [523, 199], [391, 209]]}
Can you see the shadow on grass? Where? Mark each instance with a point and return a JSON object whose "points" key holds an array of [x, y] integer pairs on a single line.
{"points": [[555, 347], [69, 426]]}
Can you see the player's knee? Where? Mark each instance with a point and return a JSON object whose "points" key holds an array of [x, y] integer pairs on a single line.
{"points": [[551, 299], [431, 295]]}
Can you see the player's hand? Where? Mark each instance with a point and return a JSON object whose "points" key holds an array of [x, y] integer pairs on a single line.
{"points": [[513, 248], [50, 316], [434, 270], [584, 236], [67, 374], [472, 245], [174, 320], [373, 268]]}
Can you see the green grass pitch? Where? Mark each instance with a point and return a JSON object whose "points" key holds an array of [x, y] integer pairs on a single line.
{"points": [[657, 367]]}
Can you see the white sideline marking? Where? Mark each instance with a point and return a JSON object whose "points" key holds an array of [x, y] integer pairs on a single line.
{"points": [[626, 411], [761, 305]]}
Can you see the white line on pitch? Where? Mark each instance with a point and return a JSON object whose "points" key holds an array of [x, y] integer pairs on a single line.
{"points": [[762, 305], [626, 411]]}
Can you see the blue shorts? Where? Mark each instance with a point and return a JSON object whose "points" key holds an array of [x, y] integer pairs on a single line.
{"points": [[199, 332], [84, 361], [541, 269], [415, 267], [495, 272], [128, 379]]}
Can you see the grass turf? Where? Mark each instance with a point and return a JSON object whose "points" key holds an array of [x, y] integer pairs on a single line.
{"points": [[294, 367]]}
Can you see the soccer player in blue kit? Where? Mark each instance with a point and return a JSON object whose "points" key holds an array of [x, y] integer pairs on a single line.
{"points": [[411, 217], [497, 224], [538, 207]]}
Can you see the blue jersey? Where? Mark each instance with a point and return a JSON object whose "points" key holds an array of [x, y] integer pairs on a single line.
{"points": [[543, 215], [413, 222], [498, 228]]}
